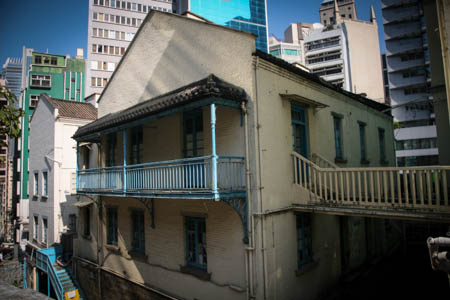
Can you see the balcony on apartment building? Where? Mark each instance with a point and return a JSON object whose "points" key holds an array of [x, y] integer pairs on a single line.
{"points": [[188, 143]]}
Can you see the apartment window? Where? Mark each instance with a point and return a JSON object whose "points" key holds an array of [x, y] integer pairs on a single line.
{"points": [[304, 240], [196, 242], [139, 7], [35, 226], [138, 234], [144, 8], [46, 60], [137, 145], [337, 124], [36, 184], [123, 4], [44, 230], [381, 143], [128, 5], [41, 81], [117, 4], [112, 225], [86, 221], [133, 6], [111, 150], [53, 61], [38, 59], [133, 21], [44, 184], [113, 4], [362, 141], [33, 101]]}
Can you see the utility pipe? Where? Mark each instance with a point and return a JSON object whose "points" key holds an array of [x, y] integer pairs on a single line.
{"points": [[250, 249], [259, 184]]}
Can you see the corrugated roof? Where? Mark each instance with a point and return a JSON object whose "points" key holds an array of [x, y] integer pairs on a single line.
{"points": [[73, 109], [211, 86]]}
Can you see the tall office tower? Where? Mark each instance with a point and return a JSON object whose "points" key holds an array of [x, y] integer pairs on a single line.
{"points": [[408, 66], [12, 73], [111, 27], [57, 75], [328, 12], [347, 53], [246, 15]]}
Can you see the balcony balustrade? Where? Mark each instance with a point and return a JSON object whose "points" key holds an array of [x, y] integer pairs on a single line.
{"points": [[183, 176], [419, 190]]}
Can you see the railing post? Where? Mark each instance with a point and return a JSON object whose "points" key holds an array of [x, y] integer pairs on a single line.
{"points": [[76, 169], [213, 150], [124, 177]]}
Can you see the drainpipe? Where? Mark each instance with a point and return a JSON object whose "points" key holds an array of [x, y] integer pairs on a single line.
{"points": [[251, 246], [213, 150], [124, 161], [259, 185]]}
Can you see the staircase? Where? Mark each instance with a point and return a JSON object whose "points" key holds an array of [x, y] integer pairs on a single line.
{"points": [[59, 277], [415, 193]]}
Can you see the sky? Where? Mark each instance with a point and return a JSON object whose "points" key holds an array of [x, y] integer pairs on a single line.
{"points": [[61, 26]]}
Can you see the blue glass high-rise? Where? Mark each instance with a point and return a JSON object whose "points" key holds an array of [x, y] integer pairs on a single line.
{"points": [[245, 15]]}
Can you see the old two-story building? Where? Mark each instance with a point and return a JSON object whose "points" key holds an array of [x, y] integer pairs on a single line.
{"points": [[52, 165], [223, 172]]}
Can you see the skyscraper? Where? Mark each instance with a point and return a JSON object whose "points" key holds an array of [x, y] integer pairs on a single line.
{"points": [[246, 15], [12, 73], [111, 27], [408, 66]]}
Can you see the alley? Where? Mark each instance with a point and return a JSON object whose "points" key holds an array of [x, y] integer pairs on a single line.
{"points": [[401, 276]]}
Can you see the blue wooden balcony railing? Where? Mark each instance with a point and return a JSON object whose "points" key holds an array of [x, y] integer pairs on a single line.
{"points": [[182, 175]]}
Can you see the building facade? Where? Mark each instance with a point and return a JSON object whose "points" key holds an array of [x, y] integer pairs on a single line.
{"points": [[250, 16], [203, 187], [290, 52], [4, 184], [52, 167], [408, 64], [58, 76], [12, 74], [111, 27], [328, 11]]}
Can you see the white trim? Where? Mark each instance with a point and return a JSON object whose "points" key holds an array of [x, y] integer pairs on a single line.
{"points": [[64, 91]]}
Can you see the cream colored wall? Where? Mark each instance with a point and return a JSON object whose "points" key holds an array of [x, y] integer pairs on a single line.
{"points": [[276, 137], [284, 283], [165, 248], [167, 53], [86, 247], [365, 59]]}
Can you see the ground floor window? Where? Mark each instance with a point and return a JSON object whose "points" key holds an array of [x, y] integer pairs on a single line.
{"points": [[112, 225], [304, 240], [138, 242], [196, 242]]}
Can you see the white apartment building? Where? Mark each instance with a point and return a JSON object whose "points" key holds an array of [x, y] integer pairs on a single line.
{"points": [[52, 164], [111, 27]]}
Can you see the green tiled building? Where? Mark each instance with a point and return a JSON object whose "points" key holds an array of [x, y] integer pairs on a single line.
{"points": [[59, 76]]}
